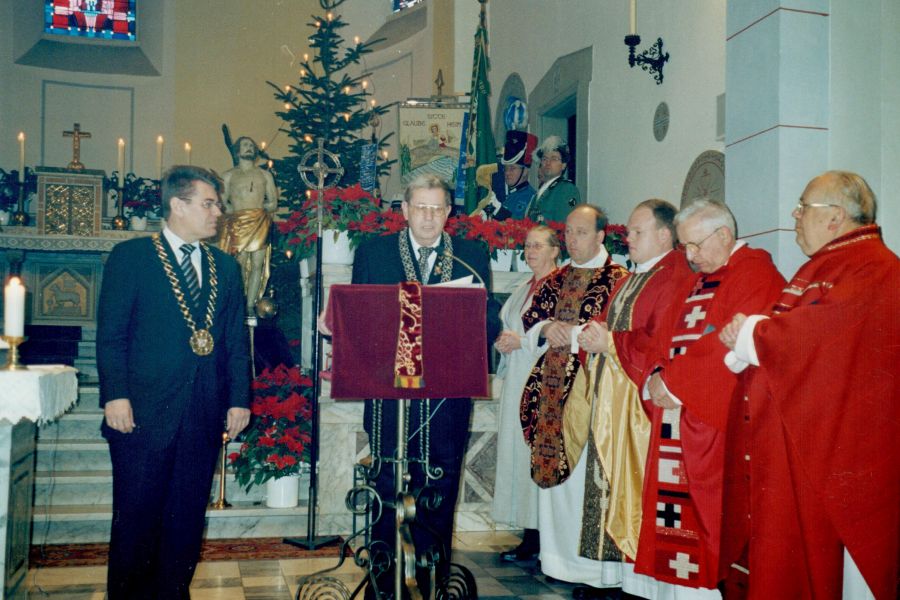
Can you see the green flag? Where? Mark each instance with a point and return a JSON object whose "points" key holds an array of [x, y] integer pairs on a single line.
{"points": [[480, 148]]}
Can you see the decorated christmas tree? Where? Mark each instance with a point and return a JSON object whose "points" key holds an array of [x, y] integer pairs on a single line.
{"points": [[331, 101]]}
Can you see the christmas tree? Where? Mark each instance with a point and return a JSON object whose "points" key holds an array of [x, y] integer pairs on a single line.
{"points": [[332, 104]]}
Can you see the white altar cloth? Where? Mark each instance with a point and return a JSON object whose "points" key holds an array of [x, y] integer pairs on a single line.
{"points": [[41, 393]]}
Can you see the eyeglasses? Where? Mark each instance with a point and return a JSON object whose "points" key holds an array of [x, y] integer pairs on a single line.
{"points": [[433, 209], [551, 158], [801, 206], [535, 245], [206, 204], [693, 247]]}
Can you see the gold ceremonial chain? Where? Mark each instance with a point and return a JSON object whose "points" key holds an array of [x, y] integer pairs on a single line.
{"points": [[201, 339]]}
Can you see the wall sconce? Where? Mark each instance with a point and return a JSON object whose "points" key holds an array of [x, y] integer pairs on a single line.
{"points": [[650, 60]]}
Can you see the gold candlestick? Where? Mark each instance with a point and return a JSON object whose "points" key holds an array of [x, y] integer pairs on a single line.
{"points": [[20, 217], [118, 222], [222, 502], [12, 355]]}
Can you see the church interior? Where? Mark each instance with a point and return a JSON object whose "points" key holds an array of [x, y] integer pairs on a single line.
{"points": [[754, 99]]}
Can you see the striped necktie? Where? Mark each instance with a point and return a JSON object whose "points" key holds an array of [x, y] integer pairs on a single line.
{"points": [[424, 253], [190, 273]]}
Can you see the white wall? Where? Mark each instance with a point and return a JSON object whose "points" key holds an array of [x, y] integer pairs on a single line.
{"points": [[625, 163]]}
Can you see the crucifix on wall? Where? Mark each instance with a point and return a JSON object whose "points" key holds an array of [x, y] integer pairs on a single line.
{"points": [[76, 134]]}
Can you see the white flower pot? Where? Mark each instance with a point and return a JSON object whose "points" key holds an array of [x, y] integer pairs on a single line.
{"points": [[336, 248], [4, 217], [283, 492], [138, 223], [504, 260]]}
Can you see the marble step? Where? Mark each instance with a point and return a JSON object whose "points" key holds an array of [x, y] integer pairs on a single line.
{"points": [[80, 454], [90, 523], [68, 488], [78, 424]]}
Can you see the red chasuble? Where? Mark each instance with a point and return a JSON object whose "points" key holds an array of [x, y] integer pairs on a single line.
{"points": [[682, 503], [570, 295], [823, 429]]}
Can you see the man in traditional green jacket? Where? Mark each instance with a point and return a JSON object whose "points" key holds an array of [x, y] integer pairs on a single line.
{"points": [[557, 196]]}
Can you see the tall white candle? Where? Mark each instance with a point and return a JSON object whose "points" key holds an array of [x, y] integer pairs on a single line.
{"points": [[14, 308], [120, 163], [159, 151], [187, 152], [21, 139], [632, 17]]}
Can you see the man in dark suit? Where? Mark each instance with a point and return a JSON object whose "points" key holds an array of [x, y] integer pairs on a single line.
{"points": [[173, 360], [394, 259]]}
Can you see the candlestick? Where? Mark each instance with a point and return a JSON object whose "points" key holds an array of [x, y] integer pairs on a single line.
{"points": [[632, 17], [21, 139], [14, 308], [120, 163], [159, 153], [187, 151]]}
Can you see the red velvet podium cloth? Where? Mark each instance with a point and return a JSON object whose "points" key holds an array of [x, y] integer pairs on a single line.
{"points": [[365, 320]]}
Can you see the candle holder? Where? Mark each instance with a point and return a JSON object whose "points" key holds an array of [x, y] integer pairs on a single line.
{"points": [[222, 503], [651, 60], [118, 222], [12, 355], [20, 217]]}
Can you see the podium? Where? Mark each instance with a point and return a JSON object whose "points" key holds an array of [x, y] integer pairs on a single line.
{"points": [[378, 331]]}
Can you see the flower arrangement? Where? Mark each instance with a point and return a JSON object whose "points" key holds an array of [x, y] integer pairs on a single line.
{"points": [[142, 195], [343, 209], [509, 234], [616, 240], [277, 440], [9, 187]]}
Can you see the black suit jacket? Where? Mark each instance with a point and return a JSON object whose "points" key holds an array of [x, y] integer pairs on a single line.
{"points": [[378, 261], [143, 352]]}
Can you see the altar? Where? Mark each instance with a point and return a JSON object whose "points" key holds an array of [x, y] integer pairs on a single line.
{"points": [[28, 398]]}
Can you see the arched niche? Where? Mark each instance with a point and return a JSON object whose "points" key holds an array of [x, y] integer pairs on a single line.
{"points": [[558, 105], [512, 87]]}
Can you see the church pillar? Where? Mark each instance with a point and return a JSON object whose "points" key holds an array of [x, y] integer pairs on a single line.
{"points": [[777, 115]]}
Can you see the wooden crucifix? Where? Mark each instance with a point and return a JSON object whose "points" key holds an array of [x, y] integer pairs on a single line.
{"points": [[76, 134]]}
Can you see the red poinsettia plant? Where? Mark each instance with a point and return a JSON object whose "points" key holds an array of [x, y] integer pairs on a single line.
{"points": [[616, 240], [277, 440], [343, 209]]}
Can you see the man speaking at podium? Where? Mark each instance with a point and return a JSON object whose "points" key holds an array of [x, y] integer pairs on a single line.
{"points": [[423, 252]]}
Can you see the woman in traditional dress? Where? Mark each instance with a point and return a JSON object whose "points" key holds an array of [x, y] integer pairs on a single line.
{"points": [[515, 494]]}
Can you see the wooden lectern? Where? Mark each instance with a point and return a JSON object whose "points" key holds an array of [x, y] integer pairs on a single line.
{"points": [[365, 321]]}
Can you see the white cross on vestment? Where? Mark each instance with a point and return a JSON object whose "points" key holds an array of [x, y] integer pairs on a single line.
{"points": [[683, 566], [697, 314], [601, 483]]}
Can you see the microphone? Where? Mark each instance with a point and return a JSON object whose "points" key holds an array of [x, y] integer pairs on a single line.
{"points": [[469, 268]]}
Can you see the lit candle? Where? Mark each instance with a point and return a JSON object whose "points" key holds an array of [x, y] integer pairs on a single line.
{"points": [[632, 17], [159, 150], [120, 164], [14, 308], [187, 151], [21, 139]]}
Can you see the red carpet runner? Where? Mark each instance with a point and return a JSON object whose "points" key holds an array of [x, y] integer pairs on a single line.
{"points": [[80, 555]]}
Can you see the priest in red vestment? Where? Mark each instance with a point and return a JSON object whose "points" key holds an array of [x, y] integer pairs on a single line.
{"points": [[820, 418], [617, 347], [691, 389]]}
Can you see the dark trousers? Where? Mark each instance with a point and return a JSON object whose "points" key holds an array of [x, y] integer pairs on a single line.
{"points": [[159, 504], [449, 435]]}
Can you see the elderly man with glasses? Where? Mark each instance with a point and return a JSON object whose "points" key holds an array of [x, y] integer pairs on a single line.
{"points": [[691, 390], [822, 412]]}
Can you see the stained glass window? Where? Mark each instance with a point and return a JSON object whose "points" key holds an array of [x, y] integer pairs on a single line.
{"points": [[91, 19]]}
